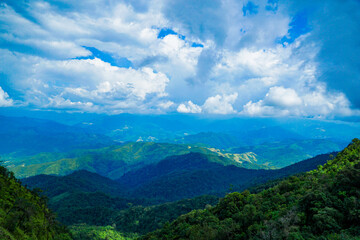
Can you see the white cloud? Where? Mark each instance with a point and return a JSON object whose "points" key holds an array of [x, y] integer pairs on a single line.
{"points": [[240, 55], [280, 101], [87, 85], [220, 104], [189, 107], [5, 100], [282, 97], [166, 105]]}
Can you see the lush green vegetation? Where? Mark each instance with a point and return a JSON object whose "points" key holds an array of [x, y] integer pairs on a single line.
{"points": [[24, 214], [320, 204], [79, 181], [194, 174], [140, 219], [114, 161], [91, 208], [86, 232]]}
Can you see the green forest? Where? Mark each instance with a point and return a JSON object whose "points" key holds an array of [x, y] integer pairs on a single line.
{"points": [[320, 204], [24, 214]]}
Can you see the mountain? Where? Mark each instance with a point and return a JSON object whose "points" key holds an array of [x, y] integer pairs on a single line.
{"points": [[21, 136], [284, 153], [194, 174], [24, 214], [83, 197], [88, 198], [209, 139], [114, 161], [78, 181], [173, 178], [186, 176], [320, 204]]}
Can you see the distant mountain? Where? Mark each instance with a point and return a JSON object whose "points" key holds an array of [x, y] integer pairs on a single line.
{"points": [[248, 131], [114, 161], [266, 134], [209, 139], [284, 153], [23, 136]]}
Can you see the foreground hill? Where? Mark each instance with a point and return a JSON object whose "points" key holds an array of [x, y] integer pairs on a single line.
{"points": [[24, 214], [320, 204], [114, 161]]}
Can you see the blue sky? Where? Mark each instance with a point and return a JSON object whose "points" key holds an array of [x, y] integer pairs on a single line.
{"points": [[244, 58]]}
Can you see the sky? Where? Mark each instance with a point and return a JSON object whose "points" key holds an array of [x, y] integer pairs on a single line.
{"points": [[264, 58]]}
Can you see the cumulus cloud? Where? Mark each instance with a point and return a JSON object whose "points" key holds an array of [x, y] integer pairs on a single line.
{"points": [[252, 57], [5, 100], [220, 104], [280, 101], [88, 85], [282, 97], [189, 107]]}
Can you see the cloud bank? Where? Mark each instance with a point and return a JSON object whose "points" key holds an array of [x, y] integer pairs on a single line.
{"points": [[252, 58]]}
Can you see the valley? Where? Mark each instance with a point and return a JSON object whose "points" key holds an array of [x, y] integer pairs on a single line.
{"points": [[114, 188]]}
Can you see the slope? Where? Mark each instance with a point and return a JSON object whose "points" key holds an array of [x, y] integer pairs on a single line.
{"points": [[84, 197], [114, 161], [23, 214], [194, 174], [284, 153], [320, 204], [78, 181]]}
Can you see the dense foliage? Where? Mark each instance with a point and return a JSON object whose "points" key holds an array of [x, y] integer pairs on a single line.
{"points": [[321, 204], [194, 174], [85, 232], [142, 219], [24, 214], [79, 181]]}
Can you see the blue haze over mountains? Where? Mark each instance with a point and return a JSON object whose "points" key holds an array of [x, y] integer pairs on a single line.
{"points": [[62, 132]]}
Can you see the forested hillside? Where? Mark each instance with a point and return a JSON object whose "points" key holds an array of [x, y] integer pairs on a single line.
{"points": [[24, 214], [320, 204], [96, 207], [114, 161]]}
